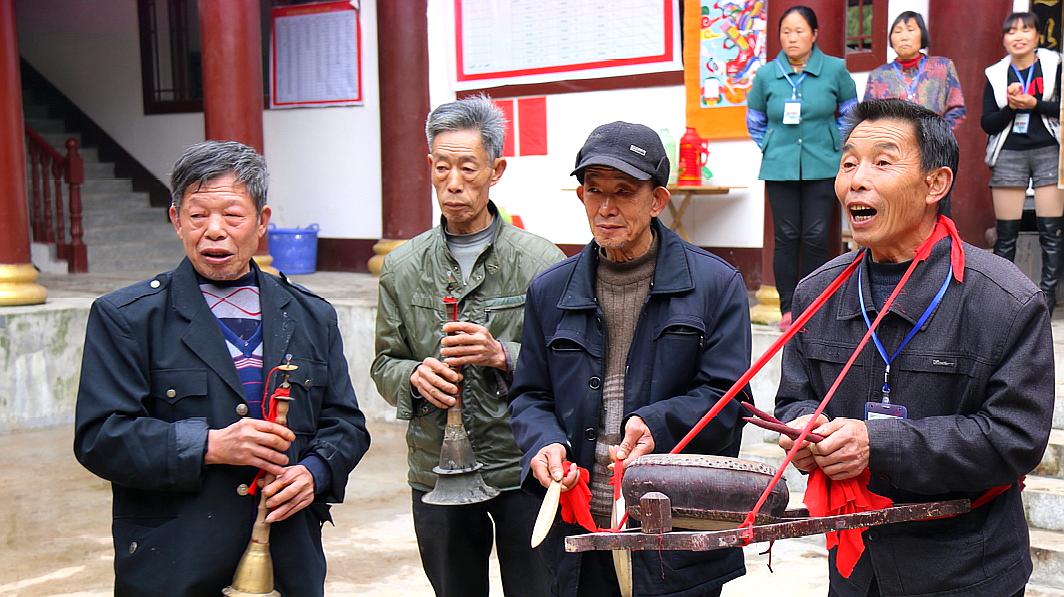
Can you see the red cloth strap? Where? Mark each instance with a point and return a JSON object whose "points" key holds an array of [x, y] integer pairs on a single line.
{"points": [[945, 227], [824, 497], [269, 414], [575, 504]]}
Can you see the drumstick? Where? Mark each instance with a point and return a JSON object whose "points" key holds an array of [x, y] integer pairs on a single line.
{"points": [[783, 429], [546, 513], [757, 412]]}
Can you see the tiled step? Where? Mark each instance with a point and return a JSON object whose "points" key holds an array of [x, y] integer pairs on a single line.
{"points": [[1047, 551], [153, 231], [1052, 464], [106, 185], [1043, 499], [99, 170], [104, 218], [58, 140], [31, 110], [46, 125], [165, 250], [123, 200]]}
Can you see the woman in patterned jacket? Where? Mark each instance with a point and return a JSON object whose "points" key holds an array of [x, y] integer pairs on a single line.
{"points": [[930, 81]]}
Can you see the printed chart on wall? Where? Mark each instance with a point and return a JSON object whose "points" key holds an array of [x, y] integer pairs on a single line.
{"points": [[724, 47], [316, 56], [505, 42]]}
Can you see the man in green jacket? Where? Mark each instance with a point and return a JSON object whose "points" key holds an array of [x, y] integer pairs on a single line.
{"points": [[487, 265]]}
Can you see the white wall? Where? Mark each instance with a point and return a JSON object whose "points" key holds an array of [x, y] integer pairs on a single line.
{"points": [[325, 162]]}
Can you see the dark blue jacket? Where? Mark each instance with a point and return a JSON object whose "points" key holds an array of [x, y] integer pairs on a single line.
{"points": [[156, 375], [691, 343]]}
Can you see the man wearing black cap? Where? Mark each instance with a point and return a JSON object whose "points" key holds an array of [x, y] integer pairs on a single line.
{"points": [[625, 346]]}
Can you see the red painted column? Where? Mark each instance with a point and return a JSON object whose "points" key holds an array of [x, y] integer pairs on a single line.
{"points": [[403, 65], [231, 43], [18, 278], [973, 44]]}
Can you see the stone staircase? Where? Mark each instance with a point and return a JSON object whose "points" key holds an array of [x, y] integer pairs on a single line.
{"points": [[122, 232], [1043, 495]]}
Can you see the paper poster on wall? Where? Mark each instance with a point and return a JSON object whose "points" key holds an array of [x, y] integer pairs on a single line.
{"points": [[316, 56], [724, 46], [505, 42]]}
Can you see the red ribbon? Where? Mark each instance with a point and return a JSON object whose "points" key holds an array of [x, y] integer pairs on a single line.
{"points": [[575, 504], [825, 497], [268, 414]]}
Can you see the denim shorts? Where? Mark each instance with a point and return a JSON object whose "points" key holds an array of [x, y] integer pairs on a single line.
{"points": [[1017, 168]]}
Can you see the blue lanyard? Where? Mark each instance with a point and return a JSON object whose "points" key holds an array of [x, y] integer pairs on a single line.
{"points": [[916, 328], [794, 84], [1030, 76], [910, 88]]}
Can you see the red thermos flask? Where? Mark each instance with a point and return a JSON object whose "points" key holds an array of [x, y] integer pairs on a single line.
{"points": [[694, 151]]}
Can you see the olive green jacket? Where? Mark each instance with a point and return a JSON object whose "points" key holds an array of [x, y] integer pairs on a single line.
{"points": [[811, 149], [410, 313]]}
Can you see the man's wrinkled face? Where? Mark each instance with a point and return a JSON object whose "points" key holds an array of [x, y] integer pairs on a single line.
{"points": [[888, 198], [219, 228], [619, 209], [462, 173]]}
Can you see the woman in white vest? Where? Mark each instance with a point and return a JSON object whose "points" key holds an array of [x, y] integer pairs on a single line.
{"points": [[1021, 114]]}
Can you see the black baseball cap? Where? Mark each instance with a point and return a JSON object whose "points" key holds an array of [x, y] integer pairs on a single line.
{"points": [[634, 149]]}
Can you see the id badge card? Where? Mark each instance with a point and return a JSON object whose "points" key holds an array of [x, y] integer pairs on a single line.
{"points": [[792, 112], [878, 410], [1020, 123]]}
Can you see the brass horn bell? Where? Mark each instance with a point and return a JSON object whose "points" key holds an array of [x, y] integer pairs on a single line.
{"points": [[254, 574], [458, 479]]}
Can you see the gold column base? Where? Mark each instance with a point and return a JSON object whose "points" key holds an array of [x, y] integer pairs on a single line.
{"points": [[380, 249], [265, 263], [18, 285], [767, 309]]}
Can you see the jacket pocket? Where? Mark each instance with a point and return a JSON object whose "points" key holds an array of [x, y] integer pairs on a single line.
{"points": [[569, 344], [767, 139], [178, 394], [825, 362], [173, 385], [933, 384], [504, 315]]}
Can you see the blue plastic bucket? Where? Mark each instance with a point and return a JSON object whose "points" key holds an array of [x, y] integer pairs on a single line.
{"points": [[294, 250]]}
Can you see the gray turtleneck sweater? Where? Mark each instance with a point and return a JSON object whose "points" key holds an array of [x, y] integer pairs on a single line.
{"points": [[622, 289]]}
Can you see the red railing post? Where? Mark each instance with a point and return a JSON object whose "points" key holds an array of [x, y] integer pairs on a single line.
{"points": [[75, 169], [46, 199], [35, 184], [61, 246]]}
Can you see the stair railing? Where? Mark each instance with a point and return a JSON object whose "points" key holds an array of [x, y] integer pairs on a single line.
{"points": [[49, 170]]}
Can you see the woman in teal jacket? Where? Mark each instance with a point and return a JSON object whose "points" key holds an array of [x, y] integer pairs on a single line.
{"points": [[794, 114]]}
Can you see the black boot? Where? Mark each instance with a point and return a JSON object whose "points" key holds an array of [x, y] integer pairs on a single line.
{"points": [[1051, 237], [1007, 233]]}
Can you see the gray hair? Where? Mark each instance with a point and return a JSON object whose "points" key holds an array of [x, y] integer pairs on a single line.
{"points": [[472, 113], [934, 138], [203, 162]]}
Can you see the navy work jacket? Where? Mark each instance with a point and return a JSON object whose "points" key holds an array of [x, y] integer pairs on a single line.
{"points": [[691, 342], [156, 376]]}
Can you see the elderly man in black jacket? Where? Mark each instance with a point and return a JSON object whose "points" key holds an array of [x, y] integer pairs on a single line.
{"points": [[625, 346], [954, 399], [171, 411]]}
